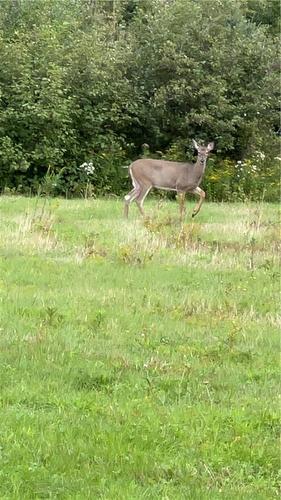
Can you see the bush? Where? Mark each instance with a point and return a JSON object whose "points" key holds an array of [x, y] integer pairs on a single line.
{"points": [[92, 81], [253, 179]]}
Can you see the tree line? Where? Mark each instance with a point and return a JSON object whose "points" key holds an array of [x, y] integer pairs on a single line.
{"points": [[86, 86]]}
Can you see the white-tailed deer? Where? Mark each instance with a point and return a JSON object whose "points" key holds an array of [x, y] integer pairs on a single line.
{"points": [[169, 175]]}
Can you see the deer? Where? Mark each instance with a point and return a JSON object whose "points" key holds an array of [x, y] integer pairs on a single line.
{"points": [[176, 176]]}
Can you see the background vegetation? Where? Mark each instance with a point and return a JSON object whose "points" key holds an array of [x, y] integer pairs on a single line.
{"points": [[138, 359], [93, 80]]}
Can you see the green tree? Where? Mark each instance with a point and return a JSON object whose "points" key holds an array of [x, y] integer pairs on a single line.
{"points": [[88, 80]]}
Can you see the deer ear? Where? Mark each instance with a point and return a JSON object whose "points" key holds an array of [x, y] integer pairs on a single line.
{"points": [[195, 144], [210, 146]]}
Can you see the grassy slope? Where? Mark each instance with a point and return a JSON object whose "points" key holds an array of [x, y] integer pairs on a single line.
{"points": [[138, 360]]}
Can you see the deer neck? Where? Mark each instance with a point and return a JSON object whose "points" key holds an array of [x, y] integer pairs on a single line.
{"points": [[199, 168]]}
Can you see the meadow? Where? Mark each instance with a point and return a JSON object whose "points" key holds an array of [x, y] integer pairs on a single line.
{"points": [[139, 359]]}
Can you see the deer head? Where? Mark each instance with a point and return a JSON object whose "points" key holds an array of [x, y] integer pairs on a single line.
{"points": [[203, 151]]}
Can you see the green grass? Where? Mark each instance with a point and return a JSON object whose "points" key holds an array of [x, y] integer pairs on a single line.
{"points": [[138, 359]]}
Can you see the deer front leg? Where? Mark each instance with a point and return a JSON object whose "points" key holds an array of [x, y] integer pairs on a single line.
{"points": [[202, 195], [182, 205]]}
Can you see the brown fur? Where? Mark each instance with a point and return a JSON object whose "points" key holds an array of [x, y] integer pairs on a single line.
{"points": [[170, 175]]}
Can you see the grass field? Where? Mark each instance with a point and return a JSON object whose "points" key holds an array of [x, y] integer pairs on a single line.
{"points": [[139, 359]]}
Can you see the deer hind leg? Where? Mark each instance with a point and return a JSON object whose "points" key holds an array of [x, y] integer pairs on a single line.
{"points": [[202, 195], [141, 197], [131, 196], [181, 196]]}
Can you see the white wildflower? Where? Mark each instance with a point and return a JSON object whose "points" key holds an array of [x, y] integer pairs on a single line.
{"points": [[260, 155], [87, 167]]}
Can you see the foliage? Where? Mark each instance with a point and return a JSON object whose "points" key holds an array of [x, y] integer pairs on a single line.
{"points": [[251, 179], [93, 81]]}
